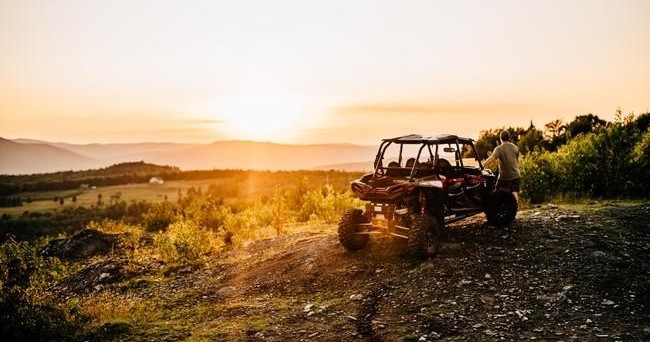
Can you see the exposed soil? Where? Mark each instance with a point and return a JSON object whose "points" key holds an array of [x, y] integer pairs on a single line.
{"points": [[555, 274]]}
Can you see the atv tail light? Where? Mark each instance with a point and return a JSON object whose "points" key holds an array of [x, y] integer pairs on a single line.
{"points": [[402, 211], [359, 187]]}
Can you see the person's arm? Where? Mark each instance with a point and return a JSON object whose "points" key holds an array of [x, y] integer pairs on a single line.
{"points": [[492, 157], [488, 161]]}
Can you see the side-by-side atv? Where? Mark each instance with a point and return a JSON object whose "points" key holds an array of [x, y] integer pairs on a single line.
{"points": [[419, 184]]}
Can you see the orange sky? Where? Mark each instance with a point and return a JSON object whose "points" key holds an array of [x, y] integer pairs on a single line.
{"points": [[313, 72]]}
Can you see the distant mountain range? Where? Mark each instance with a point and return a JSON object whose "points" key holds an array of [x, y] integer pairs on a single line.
{"points": [[26, 156], [37, 157]]}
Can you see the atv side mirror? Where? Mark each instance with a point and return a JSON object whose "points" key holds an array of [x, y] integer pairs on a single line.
{"points": [[449, 149]]}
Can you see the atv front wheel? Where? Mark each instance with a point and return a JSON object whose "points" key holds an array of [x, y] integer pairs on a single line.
{"points": [[502, 209], [348, 228], [423, 238]]}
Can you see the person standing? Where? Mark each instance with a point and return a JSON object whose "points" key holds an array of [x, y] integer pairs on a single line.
{"points": [[507, 154]]}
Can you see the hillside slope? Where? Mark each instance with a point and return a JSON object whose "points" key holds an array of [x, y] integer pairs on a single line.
{"points": [[17, 158], [114, 153], [556, 274], [119, 153], [245, 155], [264, 156]]}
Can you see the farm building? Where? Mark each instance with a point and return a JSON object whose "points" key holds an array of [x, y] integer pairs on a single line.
{"points": [[156, 181]]}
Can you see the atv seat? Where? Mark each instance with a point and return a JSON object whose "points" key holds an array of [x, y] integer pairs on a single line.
{"points": [[443, 167], [410, 162], [393, 169]]}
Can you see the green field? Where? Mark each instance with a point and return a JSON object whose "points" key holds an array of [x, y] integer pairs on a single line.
{"points": [[233, 186], [44, 200]]}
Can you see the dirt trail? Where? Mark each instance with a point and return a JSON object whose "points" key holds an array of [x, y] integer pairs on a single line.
{"points": [[556, 274]]}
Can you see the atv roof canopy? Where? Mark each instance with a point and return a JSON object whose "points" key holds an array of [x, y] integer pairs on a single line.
{"points": [[430, 139]]}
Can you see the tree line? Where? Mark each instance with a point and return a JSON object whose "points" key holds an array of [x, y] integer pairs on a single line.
{"points": [[123, 173], [137, 172], [588, 156]]}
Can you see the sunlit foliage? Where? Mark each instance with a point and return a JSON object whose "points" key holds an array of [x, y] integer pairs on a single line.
{"points": [[608, 160]]}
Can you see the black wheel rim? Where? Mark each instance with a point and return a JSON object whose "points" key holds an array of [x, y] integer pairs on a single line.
{"points": [[502, 211]]}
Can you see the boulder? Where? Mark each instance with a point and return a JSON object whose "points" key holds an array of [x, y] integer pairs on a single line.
{"points": [[83, 244]]}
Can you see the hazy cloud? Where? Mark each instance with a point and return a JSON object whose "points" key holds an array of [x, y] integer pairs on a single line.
{"points": [[426, 109], [205, 121]]}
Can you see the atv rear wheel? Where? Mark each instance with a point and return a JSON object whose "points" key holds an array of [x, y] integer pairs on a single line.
{"points": [[424, 237], [348, 228], [502, 209]]}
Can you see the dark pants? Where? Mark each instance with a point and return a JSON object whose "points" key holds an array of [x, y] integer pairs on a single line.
{"points": [[511, 185]]}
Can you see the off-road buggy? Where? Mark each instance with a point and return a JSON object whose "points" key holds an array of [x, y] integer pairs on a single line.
{"points": [[419, 184]]}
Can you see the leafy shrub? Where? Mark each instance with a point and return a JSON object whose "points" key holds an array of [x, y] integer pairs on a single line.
{"points": [[640, 161], [579, 165], [210, 214], [539, 175], [20, 265], [252, 223], [641, 151], [23, 273], [186, 240], [159, 217], [280, 214], [600, 163], [609, 161], [22, 318], [326, 205]]}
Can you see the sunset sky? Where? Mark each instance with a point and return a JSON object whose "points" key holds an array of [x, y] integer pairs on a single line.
{"points": [[313, 71]]}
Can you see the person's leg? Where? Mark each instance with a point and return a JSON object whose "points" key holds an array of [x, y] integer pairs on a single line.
{"points": [[516, 188]]}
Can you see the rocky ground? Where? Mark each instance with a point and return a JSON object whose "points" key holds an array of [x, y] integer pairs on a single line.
{"points": [[557, 274]]}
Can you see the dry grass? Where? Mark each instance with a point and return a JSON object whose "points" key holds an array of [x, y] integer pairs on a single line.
{"points": [[106, 307]]}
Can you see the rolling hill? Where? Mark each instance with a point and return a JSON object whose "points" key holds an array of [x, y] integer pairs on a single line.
{"points": [[114, 153], [263, 156], [17, 158], [34, 156]]}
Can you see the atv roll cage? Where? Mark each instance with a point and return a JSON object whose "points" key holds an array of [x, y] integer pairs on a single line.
{"points": [[428, 142]]}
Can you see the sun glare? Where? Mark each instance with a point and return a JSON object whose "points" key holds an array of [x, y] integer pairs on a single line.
{"points": [[261, 117]]}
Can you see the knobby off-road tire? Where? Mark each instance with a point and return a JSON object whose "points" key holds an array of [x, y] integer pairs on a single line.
{"points": [[501, 209], [348, 228], [424, 237]]}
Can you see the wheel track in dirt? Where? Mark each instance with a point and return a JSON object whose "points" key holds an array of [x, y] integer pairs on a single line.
{"points": [[367, 311]]}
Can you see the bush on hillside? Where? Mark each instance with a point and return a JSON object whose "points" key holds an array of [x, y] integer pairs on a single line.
{"points": [[611, 161], [186, 241], [539, 175], [326, 205], [23, 316]]}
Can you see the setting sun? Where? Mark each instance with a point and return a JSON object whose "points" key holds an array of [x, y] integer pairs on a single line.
{"points": [[316, 72], [260, 117]]}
